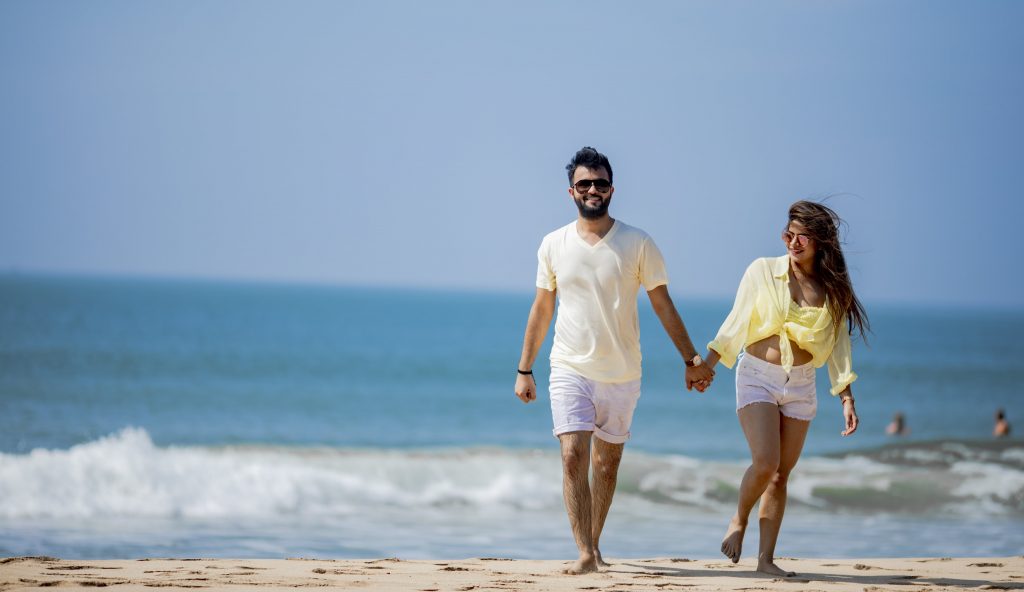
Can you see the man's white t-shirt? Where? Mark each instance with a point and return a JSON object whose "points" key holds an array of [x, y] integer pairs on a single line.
{"points": [[597, 332]]}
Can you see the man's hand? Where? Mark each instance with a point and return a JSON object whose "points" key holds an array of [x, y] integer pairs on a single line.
{"points": [[526, 388], [699, 377], [536, 327]]}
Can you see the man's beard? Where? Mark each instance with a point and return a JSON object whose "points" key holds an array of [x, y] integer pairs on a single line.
{"points": [[593, 213]]}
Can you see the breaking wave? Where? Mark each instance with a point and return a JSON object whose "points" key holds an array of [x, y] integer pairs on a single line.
{"points": [[127, 475]]}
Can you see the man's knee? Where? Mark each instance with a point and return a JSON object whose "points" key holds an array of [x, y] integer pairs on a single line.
{"points": [[575, 450], [606, 459]]}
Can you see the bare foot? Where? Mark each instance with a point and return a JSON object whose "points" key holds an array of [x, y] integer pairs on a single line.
{"points": [[600, 560], [770, 568], [732, 544], [582, 566]]}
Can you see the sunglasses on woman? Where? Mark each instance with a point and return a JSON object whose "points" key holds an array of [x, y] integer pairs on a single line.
{"points": [[801, 239]]}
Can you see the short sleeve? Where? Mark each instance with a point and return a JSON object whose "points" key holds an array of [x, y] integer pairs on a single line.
{"points": [[545, 271], [732, 335], [840, 363], [652, 266]]}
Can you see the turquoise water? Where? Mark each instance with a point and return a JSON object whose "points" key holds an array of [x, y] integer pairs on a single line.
{"points": [[148, 417]]}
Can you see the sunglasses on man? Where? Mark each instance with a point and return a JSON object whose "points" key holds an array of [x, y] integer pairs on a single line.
{"points": [[602, 185]]}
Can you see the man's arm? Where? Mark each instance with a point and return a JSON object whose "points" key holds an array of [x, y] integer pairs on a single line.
{"points": [[666, 311], [536, 329]]}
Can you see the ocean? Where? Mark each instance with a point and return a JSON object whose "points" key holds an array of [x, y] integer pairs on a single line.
{"points": [[144, 418]]}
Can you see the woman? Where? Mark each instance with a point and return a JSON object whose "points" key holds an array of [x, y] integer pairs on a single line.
{"points": [[792, 314]]}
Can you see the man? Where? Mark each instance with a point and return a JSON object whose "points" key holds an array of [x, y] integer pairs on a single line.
{"points": [[596, 265]]}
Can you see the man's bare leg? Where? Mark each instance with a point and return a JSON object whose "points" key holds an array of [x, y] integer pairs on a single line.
{"points": [[773, 502], [576, 491], [760, 422], [605, 458]]}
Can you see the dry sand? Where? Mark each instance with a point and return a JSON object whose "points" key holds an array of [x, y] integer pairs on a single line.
{"points": [[626, 575]]}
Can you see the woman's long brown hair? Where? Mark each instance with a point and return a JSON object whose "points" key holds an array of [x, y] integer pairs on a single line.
{"points": [[822, 225]]}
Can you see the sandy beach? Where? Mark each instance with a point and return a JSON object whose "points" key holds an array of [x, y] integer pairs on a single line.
{"points": [[991, 573]]}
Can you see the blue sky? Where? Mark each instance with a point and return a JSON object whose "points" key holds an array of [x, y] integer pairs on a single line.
{"points": [[423, 144]]}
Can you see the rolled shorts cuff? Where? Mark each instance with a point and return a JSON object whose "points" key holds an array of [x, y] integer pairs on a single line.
{"points": [[572, 427], [611, 438], [598, 432]]}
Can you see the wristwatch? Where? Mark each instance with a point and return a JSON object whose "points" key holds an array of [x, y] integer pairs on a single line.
{"points": [[696, 360]]}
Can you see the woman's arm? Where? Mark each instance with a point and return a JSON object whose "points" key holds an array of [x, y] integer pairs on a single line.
{"points": [[732, 335], [849, 411]]}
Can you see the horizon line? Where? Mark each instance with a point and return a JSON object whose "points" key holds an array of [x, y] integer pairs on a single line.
{"points": [[8, 273]]}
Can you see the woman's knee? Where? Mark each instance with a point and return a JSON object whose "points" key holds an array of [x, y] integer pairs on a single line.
{"points": [[779, 479], [765, 465]]}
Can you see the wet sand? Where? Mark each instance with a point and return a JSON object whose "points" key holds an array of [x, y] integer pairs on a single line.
{"points": [[480, 574]]}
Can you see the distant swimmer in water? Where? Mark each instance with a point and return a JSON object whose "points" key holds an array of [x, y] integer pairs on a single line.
{"points": [[898, 425], [1002, 427]]}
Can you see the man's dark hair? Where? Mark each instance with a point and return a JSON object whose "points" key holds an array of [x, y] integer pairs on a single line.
{"points": [[589, 158]]}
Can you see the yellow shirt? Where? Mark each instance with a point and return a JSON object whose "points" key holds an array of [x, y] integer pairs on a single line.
{"points": [[764, 307]]}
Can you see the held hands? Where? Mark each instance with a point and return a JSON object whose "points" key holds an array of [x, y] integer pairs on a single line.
{"points": [[699, 376], [526, 388]]}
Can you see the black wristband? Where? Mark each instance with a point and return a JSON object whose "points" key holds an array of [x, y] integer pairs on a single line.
{"points": [[525, 372]]}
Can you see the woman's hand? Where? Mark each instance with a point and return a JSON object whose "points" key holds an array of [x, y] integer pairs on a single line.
{"points": [[699, 377], [850, 415], [710, 360]]}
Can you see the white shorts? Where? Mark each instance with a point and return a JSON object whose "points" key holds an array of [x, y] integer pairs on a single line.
{"points": [[579, 404], [758, 381]]}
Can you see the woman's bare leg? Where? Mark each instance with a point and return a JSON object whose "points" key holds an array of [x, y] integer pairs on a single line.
{"points": [[761, 426], [773, 502]]}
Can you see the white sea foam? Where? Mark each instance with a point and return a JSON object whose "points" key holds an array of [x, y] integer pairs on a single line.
{"points": [[125, 475]]}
